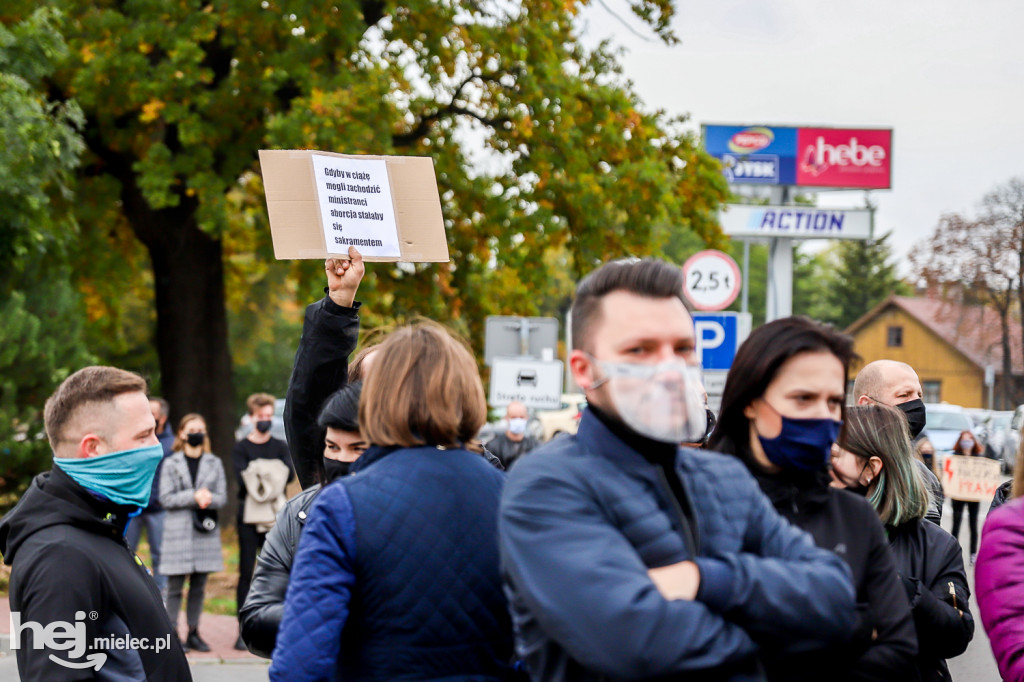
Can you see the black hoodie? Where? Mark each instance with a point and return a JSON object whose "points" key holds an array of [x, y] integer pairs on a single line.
{"points": [[70, 564]]}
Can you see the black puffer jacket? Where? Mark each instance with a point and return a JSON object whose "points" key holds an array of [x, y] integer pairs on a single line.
{"points": [[260, 616], [1002, 496], [848, 525], [329, 335], [931, 565]]}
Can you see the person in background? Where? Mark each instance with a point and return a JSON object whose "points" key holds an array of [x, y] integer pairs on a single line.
{"points": [[873, 458], [968, 446], [258, 444], [260, 617], [924, 450], [397, 575], [896, 384], [192, 488], [999, 581], [64, 540], [626, 556], [782, 409], [514, 443], [152, 517]]}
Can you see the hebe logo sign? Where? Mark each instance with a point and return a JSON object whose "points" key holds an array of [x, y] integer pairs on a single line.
{"points": [[844, 158]]}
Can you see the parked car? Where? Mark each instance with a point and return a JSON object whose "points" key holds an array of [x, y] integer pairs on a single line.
{"points": [[979, 417], [566, 419], [276, 427], [944, 424], [999, 444]]}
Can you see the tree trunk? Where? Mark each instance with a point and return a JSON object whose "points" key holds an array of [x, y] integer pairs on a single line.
{"points": [[192, 325], [1004, 323]]}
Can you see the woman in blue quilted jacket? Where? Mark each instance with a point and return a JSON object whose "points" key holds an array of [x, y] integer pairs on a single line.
{"points": [[396, 576]]}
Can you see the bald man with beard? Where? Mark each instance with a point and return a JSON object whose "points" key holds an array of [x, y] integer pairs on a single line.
{"points": [[896, 384]]}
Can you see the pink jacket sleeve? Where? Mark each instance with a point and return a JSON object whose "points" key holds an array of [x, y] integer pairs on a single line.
{"points": [[999, 587]]}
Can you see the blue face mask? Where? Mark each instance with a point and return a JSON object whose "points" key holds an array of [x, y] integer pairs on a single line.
{"points": [[124, 477], [804, 444]]}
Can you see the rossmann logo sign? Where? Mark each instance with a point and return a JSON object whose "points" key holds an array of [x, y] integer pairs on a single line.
{"points": [[854, 158], [832, 157]]}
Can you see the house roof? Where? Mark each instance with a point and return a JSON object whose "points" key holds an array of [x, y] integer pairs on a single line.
{"points": [[973, 330]]}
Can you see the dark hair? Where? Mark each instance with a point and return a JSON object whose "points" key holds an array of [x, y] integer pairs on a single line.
{"points": [[88, 386], [647, 277], [755, 365], [341, 410]]}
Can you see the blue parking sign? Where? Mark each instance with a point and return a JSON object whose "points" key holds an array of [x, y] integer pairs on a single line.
{"points": [[718, 337]]}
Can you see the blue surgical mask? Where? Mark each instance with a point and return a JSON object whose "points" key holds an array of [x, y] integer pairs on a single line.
{"points": [[804, 444], [124, 477]]}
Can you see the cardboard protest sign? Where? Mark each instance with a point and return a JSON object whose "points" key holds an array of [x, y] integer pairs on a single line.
{"points": [[973, 479], [320, 203]]}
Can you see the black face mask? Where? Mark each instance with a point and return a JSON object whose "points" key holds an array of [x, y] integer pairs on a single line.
{"points": [[857, 488], [914, 409], [336, 469], [195, 439], [264, 425]]}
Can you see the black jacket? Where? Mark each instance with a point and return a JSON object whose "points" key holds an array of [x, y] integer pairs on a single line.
{"points": [[329, 335], [260, 616], [931, 563], [69, 559], [848, 525], [1002, 496]]}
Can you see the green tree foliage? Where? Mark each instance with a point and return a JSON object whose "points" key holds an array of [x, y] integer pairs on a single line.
{"points": [[859, 275], [544, 156], [40, 338]]}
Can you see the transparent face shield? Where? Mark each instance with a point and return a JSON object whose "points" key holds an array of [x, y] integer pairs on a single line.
{"points": [[663, 402]]}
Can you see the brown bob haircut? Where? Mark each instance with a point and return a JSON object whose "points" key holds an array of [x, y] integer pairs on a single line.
{"points": [[424, 390], [648, 277], [88, 386]]}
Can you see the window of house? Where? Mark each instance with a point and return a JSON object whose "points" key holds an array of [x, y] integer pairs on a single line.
{"points": [[932, 391], [895, 337]]}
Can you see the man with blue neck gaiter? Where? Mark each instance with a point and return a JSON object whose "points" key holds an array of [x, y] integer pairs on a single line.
{"points": [[65, 542]]}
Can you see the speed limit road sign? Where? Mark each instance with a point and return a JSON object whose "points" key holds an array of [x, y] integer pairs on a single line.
{"points": [[711, 280]]}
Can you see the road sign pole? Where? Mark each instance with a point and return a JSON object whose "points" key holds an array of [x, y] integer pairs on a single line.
{"points": [[780, 267], [746, 276]]}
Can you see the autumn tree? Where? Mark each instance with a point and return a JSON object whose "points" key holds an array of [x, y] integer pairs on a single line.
{"points": [[974, 260], [539, 144]]}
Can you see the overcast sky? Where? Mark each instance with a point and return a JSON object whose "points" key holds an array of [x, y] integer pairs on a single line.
{"points": [[947, 76]]}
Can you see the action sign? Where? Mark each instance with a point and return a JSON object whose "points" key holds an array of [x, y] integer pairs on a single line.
{"points": [[535, 383], [321, 203], [973, 479], [711, 280], [796, 222]]}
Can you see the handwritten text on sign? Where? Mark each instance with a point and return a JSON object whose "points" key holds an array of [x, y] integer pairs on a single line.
{"points": [[356, 206], [973, 479]]}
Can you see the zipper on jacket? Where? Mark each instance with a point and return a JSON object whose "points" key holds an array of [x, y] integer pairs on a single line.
{"points": [[691, 539]]}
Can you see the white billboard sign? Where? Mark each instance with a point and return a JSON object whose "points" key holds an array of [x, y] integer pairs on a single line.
{"points": [[535, 383], [796, 222]]}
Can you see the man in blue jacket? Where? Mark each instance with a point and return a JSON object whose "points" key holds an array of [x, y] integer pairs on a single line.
{"points": [[626, 556]]}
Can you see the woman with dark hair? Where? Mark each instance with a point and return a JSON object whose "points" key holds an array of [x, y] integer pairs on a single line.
{"points": [[968, 446], [192, 488], [782, 409], [397, 573], [260, 617], [874, 457]]}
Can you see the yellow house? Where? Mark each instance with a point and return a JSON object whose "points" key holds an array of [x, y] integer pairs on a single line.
{"points": [[949, 344]]}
